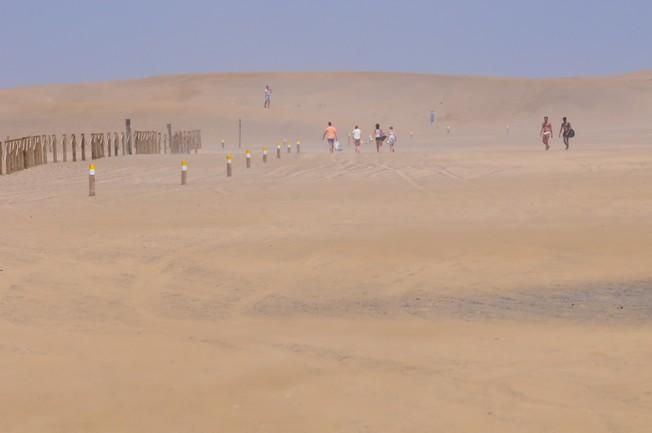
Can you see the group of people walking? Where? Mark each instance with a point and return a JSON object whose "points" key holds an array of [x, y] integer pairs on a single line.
{"points": [[379, 137], [566, 131]]}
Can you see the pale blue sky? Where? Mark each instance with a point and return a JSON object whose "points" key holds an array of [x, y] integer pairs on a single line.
{"points": [[89, 40]]}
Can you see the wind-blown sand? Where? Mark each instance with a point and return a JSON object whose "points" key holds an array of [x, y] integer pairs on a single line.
{"points": [[467, 283]]}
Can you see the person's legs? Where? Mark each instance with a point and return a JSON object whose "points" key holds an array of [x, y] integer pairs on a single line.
{"points": [[378, 142], [566, 142], [331, 145]]}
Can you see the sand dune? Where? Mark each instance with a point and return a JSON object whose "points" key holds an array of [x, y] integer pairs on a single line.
{"points": [[467, 283]]}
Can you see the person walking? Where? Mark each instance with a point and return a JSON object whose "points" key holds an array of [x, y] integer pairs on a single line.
{"points": [[567, 132], [380, 137], [356, 134], [546, 132], [330, 134], [391, 138], [268, 97]]}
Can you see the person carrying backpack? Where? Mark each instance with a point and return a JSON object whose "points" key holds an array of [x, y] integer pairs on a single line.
{"points": [[567, 132]]}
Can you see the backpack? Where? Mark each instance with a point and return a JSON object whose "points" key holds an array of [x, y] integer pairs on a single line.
{"points": [[571, 133]]}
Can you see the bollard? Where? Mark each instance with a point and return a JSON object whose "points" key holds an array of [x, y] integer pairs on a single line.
{"points": [[184, 172], [278, 151], [229, 160], [91, 180], [298, 146], [264, 154], [289, 147], [222, 144], [248, 158]]}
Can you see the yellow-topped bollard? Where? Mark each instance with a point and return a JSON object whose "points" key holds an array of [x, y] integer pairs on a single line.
{"points": [[248, 158], [264, 154], [91, 180], [298, 146], [278, 151], [184, 172], [229, 161]]}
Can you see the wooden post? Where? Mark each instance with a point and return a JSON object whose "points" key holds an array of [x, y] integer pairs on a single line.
{"points": [[64, 142], [169, 126], [55, 156], [83, 147], [116, 144], [264, 154], [108, 145], [278, 151], [91, 179], [128, 136], [222, 144], [184, 171], [298, 146], [229, 160], [248, 158], [239, 133], [74, 148], [2, 170], [289, 146]]}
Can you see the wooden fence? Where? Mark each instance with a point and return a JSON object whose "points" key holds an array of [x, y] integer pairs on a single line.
{"points": [[186, 142], [147, 142], [26, 152]]}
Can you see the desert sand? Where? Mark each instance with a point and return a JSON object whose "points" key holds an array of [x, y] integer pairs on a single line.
{"points": [[466, 283]]}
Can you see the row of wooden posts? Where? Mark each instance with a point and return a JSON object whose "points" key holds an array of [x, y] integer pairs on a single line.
{"points": [[27, 152]]}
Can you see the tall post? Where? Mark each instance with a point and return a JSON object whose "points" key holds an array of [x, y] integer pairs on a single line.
{"points": [[64, 142], [229, 160], [55, 156], [239, 133], [169, 126], [128, 135], [83, 147], [2, 170], [74, 148]]}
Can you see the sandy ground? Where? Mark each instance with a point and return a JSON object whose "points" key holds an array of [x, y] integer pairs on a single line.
{"points": [[447, 288]]}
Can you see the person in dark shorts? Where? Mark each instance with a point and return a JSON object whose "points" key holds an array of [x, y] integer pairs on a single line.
{"points": [[567, 132], [380, 137]]}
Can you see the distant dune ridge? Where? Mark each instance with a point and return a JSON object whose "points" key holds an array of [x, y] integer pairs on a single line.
{"points": [[304, 101]]}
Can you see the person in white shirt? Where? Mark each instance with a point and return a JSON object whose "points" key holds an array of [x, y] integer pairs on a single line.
{"points": [[391, 139], [357, 138]]}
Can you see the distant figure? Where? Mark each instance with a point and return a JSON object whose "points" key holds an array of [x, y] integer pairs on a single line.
{"points": [[411, 135], [432, 118], [391, 138], [567, 132], [380, 137], [357, 138], [546, 132], [330, 134], [268, 97], [448, 130]]}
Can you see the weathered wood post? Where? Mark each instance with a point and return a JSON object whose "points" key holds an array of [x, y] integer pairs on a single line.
{"points": [[264, 154], [222, 144], [289, 146], [278, 151], [239, 133], [298, 146], [229, 160], [122, 142], [184, 171], [108, 145], [116, 144], [2, 170], [55, 155], [128, 136], [91, 179], [74, 148], [83, 147], [169, 126], [248, 158], [64, 142], [165, 144]]}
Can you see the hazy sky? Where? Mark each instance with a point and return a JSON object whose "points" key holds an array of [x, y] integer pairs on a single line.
{"points": [[79, 40]]}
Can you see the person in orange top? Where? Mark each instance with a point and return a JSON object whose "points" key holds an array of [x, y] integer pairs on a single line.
{"points": [[330, 134]]}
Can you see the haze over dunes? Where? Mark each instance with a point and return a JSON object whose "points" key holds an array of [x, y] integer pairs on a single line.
{"points": [[303, 102], [468, 283]]}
